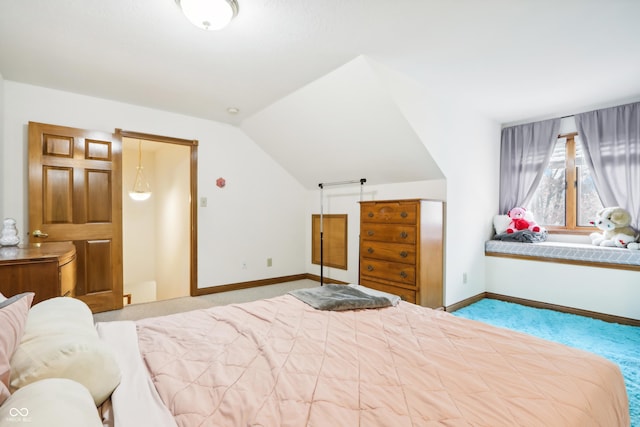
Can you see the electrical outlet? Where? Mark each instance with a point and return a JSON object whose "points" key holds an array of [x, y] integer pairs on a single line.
{"points": [[244, 265], [203, 202], [464, 277], [269, 262]]}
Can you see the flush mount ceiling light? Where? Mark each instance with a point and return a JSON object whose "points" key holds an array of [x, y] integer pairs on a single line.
{"points": [[141, 188], [209, 14]]}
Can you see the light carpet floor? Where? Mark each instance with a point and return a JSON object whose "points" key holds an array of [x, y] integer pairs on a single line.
{"points": [[178, 305], [618, 343]]}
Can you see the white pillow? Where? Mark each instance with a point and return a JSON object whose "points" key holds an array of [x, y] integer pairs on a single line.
{"points": [[60, 341], [501, 223], [13, 318], [53, 402]]}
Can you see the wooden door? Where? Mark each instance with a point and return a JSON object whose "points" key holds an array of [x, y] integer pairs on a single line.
{"points": [[75, 187]]}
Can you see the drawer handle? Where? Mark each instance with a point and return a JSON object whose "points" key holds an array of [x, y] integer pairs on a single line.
{"points": [[370, 214], [404, 254], [370, 233], [370, 250], [404, 235], [404, 214], [370, 267], [403, 274]]}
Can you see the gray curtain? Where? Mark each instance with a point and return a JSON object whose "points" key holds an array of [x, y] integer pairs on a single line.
{"points": [[525, 151], [611, 141]]}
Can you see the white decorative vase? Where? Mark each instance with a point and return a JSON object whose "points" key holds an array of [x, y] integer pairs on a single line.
{"points": [[9, 236]]}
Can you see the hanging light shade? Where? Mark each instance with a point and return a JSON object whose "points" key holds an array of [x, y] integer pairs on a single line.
{"points": [[141, 188], [209, 14]]}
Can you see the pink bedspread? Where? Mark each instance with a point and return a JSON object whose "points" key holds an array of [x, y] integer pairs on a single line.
{"points": [[279, 362]]}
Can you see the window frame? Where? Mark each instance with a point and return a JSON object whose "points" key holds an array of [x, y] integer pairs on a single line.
{"points": [[571, 192]]}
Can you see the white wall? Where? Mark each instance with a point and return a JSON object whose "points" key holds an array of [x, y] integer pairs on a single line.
{"points": [[171, 178], [2, 182], [347, 125], [344, 200], [466, 147], [259, 214], [603, 290], [138, 219]]}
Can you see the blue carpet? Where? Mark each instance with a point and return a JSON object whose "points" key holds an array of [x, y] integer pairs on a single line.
{"points": [[618, 343]]}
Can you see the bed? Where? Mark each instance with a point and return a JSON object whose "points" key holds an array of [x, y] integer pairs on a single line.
{"points": [[282, 362]]}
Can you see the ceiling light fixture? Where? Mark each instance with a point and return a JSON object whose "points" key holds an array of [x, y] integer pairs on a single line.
{"points": [[209, 14], [141, 188]]}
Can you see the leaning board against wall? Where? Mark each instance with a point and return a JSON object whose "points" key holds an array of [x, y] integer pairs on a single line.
{"points": [[402, 247]]}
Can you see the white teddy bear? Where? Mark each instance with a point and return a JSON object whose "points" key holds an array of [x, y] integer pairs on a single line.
{"points": [[614, 223]]}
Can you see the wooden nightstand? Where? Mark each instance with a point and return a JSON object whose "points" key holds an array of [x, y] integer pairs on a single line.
{"points": [[48, 269]]}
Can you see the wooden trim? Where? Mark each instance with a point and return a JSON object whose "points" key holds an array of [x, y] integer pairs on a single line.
{"points": [[193, 205], [157, 138], [564, 309], [263, 282], [578, 231], [324, 279], [537, 304], [465, 302], [571, 185], [566, 261], [245, 285]]}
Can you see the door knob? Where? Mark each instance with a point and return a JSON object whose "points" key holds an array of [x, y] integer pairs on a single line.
{"points": [[38, 233]]}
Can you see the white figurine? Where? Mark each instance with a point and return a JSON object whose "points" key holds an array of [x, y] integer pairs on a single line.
{"points": [[9, 236]]}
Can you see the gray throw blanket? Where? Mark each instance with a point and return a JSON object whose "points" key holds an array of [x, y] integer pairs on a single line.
{"points": [[339, 298], [524, 236]]}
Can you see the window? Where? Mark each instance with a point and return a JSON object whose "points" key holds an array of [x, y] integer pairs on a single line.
{"points": [[566, 198]]}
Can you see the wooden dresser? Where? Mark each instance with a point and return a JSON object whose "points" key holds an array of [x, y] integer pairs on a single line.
{"points": [[48, 269], [401, 249]]}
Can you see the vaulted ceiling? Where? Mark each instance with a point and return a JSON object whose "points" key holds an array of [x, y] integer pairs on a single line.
{"points": [[507, 60]]}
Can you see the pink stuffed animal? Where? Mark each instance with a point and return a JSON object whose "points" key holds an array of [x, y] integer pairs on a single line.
{"points": [[518, 221]]}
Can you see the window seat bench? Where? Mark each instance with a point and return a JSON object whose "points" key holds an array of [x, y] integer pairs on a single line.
{"points": [[568, 253]]}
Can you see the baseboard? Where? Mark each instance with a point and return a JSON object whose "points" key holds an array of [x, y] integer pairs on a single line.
{"points": [[465, 302], [245, 285], [263, 282], [325, 279], [587, 313], [537, 304]]}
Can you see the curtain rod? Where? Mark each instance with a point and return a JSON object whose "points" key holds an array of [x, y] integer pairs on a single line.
{"points": [[354, 181]]}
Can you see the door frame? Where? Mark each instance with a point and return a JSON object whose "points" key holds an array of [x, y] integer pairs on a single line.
{"points": [[193, 196]]}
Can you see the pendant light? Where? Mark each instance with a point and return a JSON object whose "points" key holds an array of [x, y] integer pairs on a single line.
{"points": [[141, 188], [209, 14]]}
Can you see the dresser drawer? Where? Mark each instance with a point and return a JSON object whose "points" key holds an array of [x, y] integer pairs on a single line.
{"points": [[389, 212], [406, 294], [388, 233], [394, 271], [397, 252]]}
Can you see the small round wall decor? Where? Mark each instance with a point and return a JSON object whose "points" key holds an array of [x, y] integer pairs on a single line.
{"points": [[220, 182]]}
